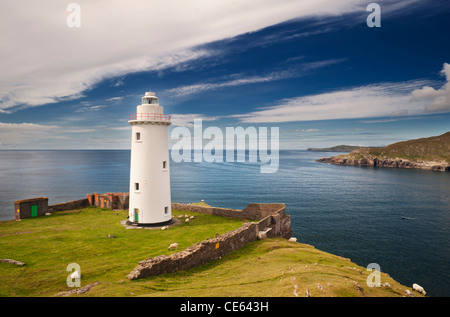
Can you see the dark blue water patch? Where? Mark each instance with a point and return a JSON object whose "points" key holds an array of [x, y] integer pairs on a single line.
{"points": [[349, 211]]}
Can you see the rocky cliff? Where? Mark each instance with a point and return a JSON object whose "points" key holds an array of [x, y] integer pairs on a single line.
{"points": [[376, 162], [428, 153]]}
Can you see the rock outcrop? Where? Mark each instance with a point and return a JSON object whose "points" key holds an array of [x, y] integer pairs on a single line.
{"points": [[431, 153], [385, 162]]}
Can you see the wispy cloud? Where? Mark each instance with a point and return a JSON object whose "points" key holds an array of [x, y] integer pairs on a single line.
{"points": [[90, 108], [27, 135], [307, 130], [238, 80], [187, 120], [119, 98], [378, 100], [43, 61]]}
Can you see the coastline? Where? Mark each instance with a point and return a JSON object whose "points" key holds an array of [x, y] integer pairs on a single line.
{"points": [[283, 267], [369, 161]]}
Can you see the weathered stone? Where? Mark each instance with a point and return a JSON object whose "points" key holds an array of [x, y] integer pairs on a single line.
{"points": [[12, 262], [275, 224]]}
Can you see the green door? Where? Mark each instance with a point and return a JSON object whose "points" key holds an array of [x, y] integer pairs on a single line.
{"points": [[136, 215], [34, 210]]}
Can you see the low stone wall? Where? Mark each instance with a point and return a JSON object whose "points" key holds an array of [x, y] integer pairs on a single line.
{"points": [[275, 223], [69, 205], [198, 254], [109, 200], [251, 212]]}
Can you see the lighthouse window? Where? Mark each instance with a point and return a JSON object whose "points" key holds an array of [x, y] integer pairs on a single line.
{"points": [[166, 210], [164, 164], [138, 136], [136, 186]]}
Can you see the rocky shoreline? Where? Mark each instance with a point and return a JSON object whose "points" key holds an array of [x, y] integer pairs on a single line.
{"points": [[385, 162]]}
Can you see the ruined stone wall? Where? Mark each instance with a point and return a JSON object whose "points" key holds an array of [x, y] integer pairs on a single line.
{"points": [[197, 254], [275, 223], [69, 205], [251, 212], [109, 200]]}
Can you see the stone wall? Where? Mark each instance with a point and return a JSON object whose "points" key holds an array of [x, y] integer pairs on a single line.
{"points": [[274, 223], [251, 212], [197, 254], [109, 200], [69, 205]]}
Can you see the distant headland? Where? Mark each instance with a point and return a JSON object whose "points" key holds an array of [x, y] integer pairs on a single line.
{"points": [[337, 148], [431, 153]]}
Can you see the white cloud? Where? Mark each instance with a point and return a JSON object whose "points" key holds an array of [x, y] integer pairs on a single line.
{"points": [[27, 135], [90, 108], [307, 130], [187, 120], [29, 127], [380, 100], [239, 80], [42, 60], [438, 100], [198, 88], [114, 99]]}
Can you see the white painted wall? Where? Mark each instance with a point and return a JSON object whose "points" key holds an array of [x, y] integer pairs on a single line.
{"points": [[147, 157]]}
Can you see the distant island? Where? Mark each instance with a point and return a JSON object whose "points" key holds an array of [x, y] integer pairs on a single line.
{"points": [[337, 148], [431, 153]]}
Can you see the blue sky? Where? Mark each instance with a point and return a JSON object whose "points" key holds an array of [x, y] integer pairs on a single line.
{"points": [[312, 68]]}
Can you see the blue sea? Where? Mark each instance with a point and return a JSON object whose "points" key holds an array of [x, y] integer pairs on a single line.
{"points": [[353, 212]]}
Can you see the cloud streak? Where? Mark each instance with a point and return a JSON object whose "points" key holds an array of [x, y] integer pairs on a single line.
{"points": [[379, 100], [43, 61], [247, 80], [187, 120]]}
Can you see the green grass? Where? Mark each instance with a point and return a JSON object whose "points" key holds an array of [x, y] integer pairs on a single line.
{"points": [[270, 267], [267, 268], [48, 244]]}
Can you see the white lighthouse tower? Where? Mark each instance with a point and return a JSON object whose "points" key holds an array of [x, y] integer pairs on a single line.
{"points": [[150, 200]]}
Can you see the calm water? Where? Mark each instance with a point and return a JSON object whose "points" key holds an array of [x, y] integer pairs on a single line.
{"points": [[349, 211]]}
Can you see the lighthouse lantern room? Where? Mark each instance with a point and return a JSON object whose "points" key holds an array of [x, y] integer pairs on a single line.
{"points": [[150, 200]]}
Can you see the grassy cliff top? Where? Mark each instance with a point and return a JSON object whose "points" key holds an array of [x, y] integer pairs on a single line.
{"points": [[337, 148], [436, 149], [271, 267]]}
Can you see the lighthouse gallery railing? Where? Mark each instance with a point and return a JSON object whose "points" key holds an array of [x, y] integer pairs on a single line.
{"points": [[150, 117]]}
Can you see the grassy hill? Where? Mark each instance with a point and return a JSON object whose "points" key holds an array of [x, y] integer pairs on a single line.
{"points": [[431, 153], [337, 148], [271, 267], [436, 148]]}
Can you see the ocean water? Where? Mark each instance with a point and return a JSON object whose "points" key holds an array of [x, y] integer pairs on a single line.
{"points": [[348, 211]]}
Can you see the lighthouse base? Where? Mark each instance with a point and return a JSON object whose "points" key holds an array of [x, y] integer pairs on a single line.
{"points": [[150, 225]]}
